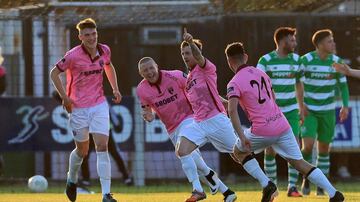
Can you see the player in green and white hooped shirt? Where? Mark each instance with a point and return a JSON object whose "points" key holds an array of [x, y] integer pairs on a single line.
{"points": [[283, 67], [320, 81]]}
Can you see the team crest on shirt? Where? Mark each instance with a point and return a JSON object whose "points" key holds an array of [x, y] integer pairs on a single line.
{"points": [[230, 89], [101, 63], [171, 90]]}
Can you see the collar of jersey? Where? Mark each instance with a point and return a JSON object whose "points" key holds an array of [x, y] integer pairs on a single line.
{"points": [[99, 50], [241, 67]]}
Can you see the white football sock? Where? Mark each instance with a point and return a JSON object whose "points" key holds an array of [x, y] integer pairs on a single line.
{"points": [[189, 167], [318, 178], [253, 168], [75, 162], [104, 171]]}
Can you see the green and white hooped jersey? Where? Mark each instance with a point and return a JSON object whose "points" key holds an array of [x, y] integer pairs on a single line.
{"points": [[320, 81], [284, 74]]}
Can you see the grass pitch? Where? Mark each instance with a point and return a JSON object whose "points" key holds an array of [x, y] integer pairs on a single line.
{"points": [[172, 192]]}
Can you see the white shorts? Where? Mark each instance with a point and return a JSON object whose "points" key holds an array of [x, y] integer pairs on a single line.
{"points": [[285, 144], [90, 120], [217, 130], [175, 136]]}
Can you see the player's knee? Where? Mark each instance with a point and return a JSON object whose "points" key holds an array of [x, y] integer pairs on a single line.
{"points": [[182, 152], [83, 152], [101, 147]]}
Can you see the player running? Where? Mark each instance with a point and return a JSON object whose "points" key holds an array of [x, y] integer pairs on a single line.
{"points": [[283, 67], [252, 89], [210, 121]]}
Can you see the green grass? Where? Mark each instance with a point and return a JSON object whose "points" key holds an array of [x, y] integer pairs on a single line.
{"points": [[171, 192]]}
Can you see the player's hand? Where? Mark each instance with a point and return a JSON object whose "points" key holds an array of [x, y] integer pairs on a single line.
{"points": [[67, 104], [302, 113], [344, 112], [147, 113], [342, 68], [117, 96], [187, 37], [246, 144]]}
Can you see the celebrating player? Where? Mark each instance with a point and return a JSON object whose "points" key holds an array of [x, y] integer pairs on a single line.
{"points": [[163, 92], [84, 100], [283, 67], [210, 121]]}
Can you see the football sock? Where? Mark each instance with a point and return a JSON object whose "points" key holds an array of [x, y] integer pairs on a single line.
{"points": [[74, 165], [190, 170], [319, 179], [104, 171], [270, 167]]}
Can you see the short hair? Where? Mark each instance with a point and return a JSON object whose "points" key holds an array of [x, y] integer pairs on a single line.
{"points": [[197, 42], [86, 23], [320, 35], [235, 50], [283, 32], [144, 60]]}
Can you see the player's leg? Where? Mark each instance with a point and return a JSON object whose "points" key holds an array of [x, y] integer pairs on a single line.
{"points": [[99, 128], [189, 139], [326, 132], [286, 146], [79, 126], [308, 134], [270, 167], [115, 153], [210, 177], [293, 175], [85, 171]]}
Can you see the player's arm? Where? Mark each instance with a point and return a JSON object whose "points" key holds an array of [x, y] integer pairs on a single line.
{"points": [[200, 60], [345, 69], [111, 75], [344, 90], [224, 101], [235, 120], [66, 101], [299, 87]]}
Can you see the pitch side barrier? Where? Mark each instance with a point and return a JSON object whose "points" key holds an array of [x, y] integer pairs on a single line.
{"points": [[40, 124]]}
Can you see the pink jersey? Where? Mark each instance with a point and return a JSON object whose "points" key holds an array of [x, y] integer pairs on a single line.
{"points": [[167, 98], [201, 90], [84, 76], [254, 90]]}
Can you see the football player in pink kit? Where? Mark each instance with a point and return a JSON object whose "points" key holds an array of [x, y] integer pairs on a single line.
{"points": [[163, 92], [84, 100], [252, 88], [211, 123]]}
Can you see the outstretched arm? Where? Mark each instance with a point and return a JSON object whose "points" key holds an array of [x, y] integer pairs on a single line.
{"points": [[200, 60], [345, 69]]}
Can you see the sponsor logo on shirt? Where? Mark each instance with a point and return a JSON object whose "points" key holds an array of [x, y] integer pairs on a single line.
{"points": [[190, 84], [283, 74], [273, 118], [322, 75], [95, 71], [166, 101]]}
